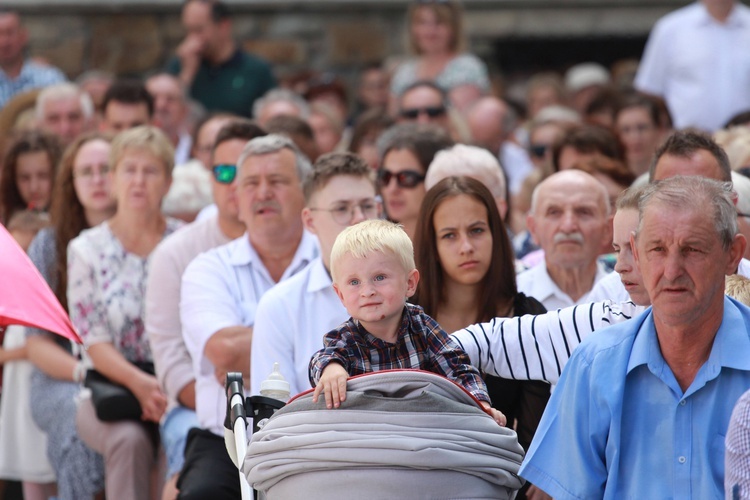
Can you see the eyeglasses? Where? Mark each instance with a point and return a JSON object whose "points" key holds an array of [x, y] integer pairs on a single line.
{"points": [[224, 173], [740, 214], [408, 179], [343, 214], [88, 173], [430, 111], [538, 150]]}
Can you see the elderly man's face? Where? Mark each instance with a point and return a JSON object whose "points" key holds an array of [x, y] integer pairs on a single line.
{"points": [[683, 263], [570, 220], [64, 118], [269, 193]]}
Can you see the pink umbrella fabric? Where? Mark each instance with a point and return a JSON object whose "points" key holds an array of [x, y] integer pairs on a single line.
{"points": [[25, 298]]}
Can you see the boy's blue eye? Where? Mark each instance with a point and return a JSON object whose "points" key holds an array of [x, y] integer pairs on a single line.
{"points": [[354, 282], [380, 277]]}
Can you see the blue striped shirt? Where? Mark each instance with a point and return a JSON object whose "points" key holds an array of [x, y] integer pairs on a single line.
{"points": [[32, 76]]}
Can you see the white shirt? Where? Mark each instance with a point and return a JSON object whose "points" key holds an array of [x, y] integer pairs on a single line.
{"points": [[700, 66], [221, 288], [290, 323], [516, 164], [537, 283], [609, 288], [163, 328], [182, 150]]}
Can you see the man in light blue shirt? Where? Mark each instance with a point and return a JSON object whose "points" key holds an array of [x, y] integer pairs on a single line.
{"points": [[642, 408]]}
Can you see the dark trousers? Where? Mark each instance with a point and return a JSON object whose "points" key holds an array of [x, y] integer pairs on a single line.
{"points": [[208, 472]]}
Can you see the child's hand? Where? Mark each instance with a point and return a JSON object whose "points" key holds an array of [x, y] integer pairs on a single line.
{"points": [[496, 414], [333, 384]]}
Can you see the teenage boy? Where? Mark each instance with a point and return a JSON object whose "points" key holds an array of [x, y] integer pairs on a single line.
{"points": [[373, 271]]}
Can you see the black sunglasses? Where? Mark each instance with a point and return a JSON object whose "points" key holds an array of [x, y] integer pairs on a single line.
{"points": [[408, 179], [431, 111], [538, 150], [224, 173]]}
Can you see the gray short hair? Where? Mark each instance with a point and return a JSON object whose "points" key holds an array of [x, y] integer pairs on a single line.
{"points": [[273, 143], [275, 95], [61, 91], [471, 161], [683, 192]]}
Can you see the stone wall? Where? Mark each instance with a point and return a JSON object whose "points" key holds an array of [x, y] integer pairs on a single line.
{"points": [[133, 37]]}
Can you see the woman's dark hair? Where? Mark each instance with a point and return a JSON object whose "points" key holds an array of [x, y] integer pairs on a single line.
{"points": [[422, 140], [26, 142], [638, 100], [498, 287], [67, 214]]}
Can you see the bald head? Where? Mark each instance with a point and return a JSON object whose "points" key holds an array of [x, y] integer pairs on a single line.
{"points": [[490, 121], [568, 181]]}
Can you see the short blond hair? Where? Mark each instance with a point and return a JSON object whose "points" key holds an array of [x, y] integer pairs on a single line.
{"points": [[360, 240], [143, 138], [738, 287]]}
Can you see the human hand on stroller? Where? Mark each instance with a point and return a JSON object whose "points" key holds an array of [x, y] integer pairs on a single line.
{"points": [[496, 414], [332, 384]]}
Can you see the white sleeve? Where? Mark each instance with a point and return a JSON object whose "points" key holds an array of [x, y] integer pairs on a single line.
{"points": [[537, 347], [207, 302], [653, 70], [273, 342]]}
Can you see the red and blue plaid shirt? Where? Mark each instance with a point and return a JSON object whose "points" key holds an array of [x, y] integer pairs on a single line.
{"points": [[421, 344]]}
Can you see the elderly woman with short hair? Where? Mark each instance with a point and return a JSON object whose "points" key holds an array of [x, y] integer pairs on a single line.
{"points": [[107, 270]]}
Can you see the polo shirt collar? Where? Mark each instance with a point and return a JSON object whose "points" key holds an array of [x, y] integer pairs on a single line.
{"points": [[319, 277], [243, 253], [729, 349]]}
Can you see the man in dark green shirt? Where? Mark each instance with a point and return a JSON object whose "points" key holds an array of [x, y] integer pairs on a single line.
{"points": [[209, 63]]}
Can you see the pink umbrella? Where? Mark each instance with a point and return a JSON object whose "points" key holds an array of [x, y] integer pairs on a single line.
{"points": [[25, 298]]}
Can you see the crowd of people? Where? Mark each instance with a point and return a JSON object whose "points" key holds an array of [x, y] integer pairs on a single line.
{"points": [[205, 219]]}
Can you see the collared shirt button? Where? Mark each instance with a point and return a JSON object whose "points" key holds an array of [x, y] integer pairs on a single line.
{"points": [[683, 402], [682, 460]]}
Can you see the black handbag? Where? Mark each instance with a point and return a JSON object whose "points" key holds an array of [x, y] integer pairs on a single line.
{"points": [[113, 402]]}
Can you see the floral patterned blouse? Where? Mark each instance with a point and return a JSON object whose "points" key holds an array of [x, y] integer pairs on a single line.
{"points": [[106, 291]]}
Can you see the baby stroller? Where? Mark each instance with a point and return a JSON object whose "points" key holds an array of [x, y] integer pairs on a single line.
{"points": [[399, 434]]}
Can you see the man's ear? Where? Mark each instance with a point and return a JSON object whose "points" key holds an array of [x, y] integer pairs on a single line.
{"points": [[307, 220], [736, 252], [412, 280]]}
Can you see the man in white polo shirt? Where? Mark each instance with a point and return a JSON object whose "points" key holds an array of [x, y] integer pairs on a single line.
{"points": [[293, 317], [570, 220], [220, 292]]}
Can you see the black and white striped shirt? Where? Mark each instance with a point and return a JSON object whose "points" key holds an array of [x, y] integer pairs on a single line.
{"points": [[537, 347]]}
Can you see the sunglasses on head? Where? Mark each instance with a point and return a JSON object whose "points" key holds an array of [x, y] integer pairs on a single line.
{"points": [[431, 111], [406, 178], [224, 173]]}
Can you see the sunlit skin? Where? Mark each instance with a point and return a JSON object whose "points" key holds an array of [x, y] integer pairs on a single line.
{"points": [[169, 104], [64, 118], [268, 194], [119, 116], [140, 181], [640, 136], [402, 204], [341, 192], [464, 241], [224, 195], [682, 263], [92, 184], [431, 35], [34, 179], [701, 163], [625, 222], [423, 97]]}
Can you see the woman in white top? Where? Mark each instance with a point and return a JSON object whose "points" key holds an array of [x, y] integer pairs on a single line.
{"points": [[436, 37], [107, 270]]}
